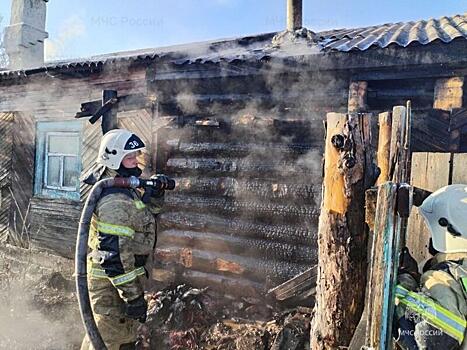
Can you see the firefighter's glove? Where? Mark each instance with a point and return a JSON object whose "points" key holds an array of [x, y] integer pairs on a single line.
{"points": [[137, 309], [408, 264]]}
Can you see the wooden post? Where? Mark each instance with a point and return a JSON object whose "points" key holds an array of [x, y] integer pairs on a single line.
{"points": [[342, 232], [109, 118], [384, 146], [358, 96], [294, 15]]}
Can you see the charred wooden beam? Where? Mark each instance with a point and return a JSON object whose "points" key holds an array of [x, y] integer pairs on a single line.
{"points": [[109, 116], [271, 212], [103, 110], [223, 284], [431, 131], [458, 118], [220, 242], [267, 271], [414, 72], [299, 233], [239, 188], [245, 166], [296, 286], [240, 149], [124, 104]]}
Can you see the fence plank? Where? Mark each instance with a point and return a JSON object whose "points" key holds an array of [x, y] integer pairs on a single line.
{"points": [[430, 171], [459, 173]]}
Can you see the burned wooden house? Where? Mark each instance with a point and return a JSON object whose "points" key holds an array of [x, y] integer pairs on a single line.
{"points": [[239, 124]]}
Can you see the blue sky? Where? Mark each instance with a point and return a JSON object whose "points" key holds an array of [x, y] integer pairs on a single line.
{"points": [[82, 28]]}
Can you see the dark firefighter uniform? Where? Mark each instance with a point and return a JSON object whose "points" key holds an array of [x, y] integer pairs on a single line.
{"points": [[434, 315], [122, 238]]}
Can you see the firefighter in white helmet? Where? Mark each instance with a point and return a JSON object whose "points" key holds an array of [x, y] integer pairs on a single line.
{"points": [[431, 308], [121, 238]]}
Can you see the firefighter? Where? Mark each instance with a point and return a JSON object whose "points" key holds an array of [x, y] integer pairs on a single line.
{"points": [[122, 238], [431, 308]]}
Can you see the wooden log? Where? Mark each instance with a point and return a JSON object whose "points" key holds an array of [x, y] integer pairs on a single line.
{"points": [[263, 270], [300, 233], [268, 211], [265, 190], [306, 281], [218, 242], [238, 149], [247, 166], [342, 236], [384, 146], [398, 135]]}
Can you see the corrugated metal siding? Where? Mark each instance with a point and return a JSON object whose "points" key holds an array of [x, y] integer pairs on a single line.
{"points": [[6, 149], [244, 215]]}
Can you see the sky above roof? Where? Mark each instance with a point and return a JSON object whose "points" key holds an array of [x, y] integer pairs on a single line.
{"points": [[89, 27]]}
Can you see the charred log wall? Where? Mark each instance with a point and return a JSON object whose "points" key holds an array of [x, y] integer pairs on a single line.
{"points": [[246, 154]]}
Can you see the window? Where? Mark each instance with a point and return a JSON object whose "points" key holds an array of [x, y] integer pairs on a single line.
{"points": [[58, 161]]}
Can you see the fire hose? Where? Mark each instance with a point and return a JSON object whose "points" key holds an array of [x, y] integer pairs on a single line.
{"points": [[82, 246]]}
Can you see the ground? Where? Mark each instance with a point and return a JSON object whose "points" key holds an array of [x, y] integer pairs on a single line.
{"points": [[38, 310], [37, 306]]}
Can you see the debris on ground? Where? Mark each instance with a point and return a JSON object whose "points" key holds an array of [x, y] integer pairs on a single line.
{"points": [[182, 317], [39, 310]]}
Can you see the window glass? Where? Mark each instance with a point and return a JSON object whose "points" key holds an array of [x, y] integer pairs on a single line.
{"points": [[53, 171], [58, 159], [70, 172], [65, 144]]}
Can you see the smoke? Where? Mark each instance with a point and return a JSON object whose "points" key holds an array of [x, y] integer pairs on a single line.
{"points": [[34, 314], [59, 46]]}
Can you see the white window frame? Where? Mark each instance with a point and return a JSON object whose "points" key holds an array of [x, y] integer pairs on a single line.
{"points": [[62, 158]]}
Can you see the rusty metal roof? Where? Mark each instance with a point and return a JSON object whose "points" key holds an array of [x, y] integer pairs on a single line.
{"points": [[259, 47]]}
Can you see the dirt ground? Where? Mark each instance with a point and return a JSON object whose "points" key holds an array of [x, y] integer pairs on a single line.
{"points": [[38, 310]]}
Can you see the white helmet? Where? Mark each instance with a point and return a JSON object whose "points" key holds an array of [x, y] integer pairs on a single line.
{"points": [[445, 212], [115, 145]]}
